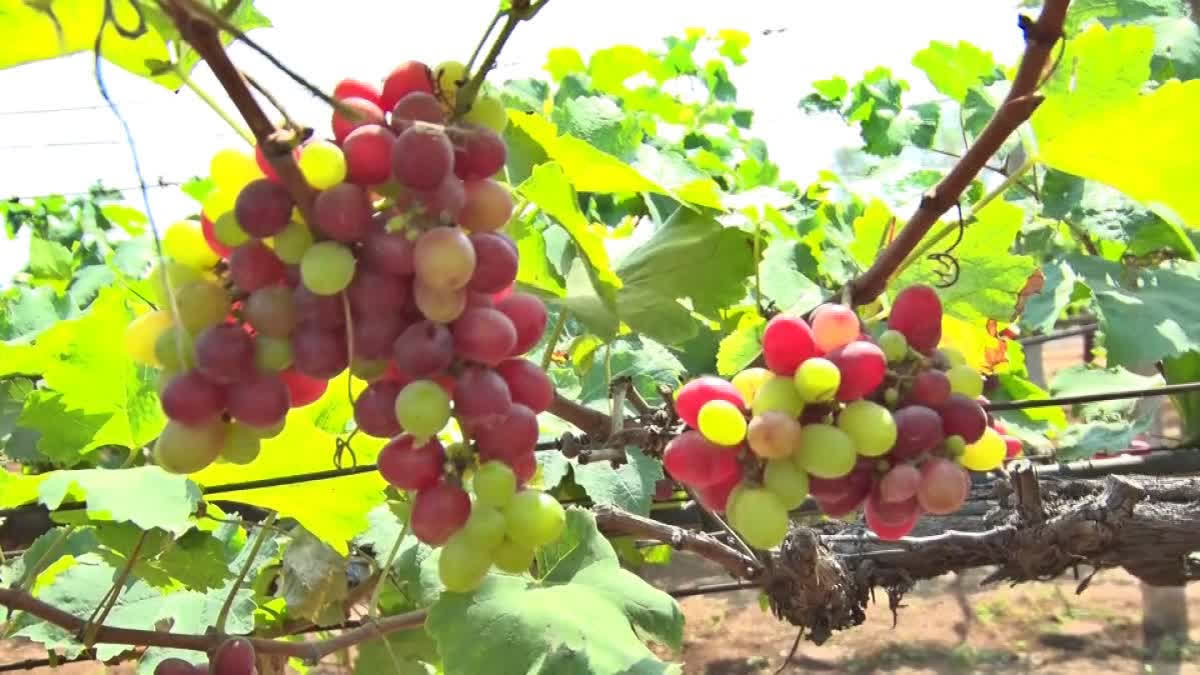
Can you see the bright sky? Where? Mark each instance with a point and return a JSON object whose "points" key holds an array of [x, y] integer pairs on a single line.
{"points": [[77, 140]]}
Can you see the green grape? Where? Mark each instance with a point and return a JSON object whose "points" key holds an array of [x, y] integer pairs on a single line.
{"points": [[749, 381], [456, 451], [534, 518], [894, 345], [327, 268], [871, 427], [184, 241], [229, 232], [448, 74], [489, 111], [423, 408], [760, 517], [722, 422], [787, 481], [953, 356], [272, 354], [232, 169], [985, 454], [732, 501], [202, 304], [291, 244], [955, 445], [322, 164], [182, 449], [965, 380], [241, 444], [779, 394], [495, 484], [175, 348], [218, 203], [178, 274], [825, 451], [368, 369], [485, 526], [512, 557], [266, 432], [817, 380], [462, 566], [142, 335]]}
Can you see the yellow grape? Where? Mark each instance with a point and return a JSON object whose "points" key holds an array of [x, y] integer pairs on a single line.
{"points": [[184, 241], [749, 381], [817, 380], [512, 557], [218, 203], [985, 454], [322, 164], [448, 74], [489, 111], [722, 422], [777, 393], [143, 332], [179, 275], [870, 425], [953, 356], [232, 169]]}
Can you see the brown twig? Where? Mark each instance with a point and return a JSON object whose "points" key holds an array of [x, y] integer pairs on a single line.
{"points": [[592, 422], [612, 520], [1022, 100]]}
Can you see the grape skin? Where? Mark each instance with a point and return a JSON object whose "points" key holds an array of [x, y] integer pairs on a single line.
{"points": [[409, 466], [787, 481], [480, 395], [319, 352], [695, 393], [487, 208], [527, 383], [417, 106], [270, 311], [354, 88], [438, 512], [900, 483], [263, 208], [423, 408], [261, 400], [182, 449], [773, 435], [369, 154], [496, 262], [534, 518], [862, 366], [825, 451], [918, 430], [834, 326], [778, 394], [234, 657], [692, 459], [254, 265], [462, 565], [495, 484], [787, 342], [439, 305], [962, 416], [943, 486], [930, 388], [424, 349], [917, 314], [510, 436], [528, 315], [722, 423], [760, 517], [327, 268], [225, 354], [407, 77], [870, 425], [343, 212], [444, 258], [368, 113], [193, 400], [375, 409], [422, 157]]}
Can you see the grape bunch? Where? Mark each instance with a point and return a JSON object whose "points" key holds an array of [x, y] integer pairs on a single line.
{"points": [[891, 424], [233, 657], [405, 277]]}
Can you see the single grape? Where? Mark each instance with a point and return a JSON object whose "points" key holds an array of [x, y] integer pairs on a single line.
{"points": [[423, 408], [512, 557], [193, 399], [817, 380], [175, 666], [417, 106], [183, 449], [263, 208], [185, 243], [424, 349], [373, 293], [891, 521], [327, 268], [479, 152], [716, 497], [390, 252], [179, 276], [439, 305], [369, 154], [787, 342], [826, 451], [951, 356], [270, 311], [943, 487], [463, 564], [407, 77], [963, 416], [444, 202], [870, 425], [175, 349], [534, 518], [319, 352], [955, 446], [788, 481], [234, 657], [488, 206], [692, 459], [778, 394], [528, 315], [773, 434], [834, 326], [528, 384], [929, 388], [480, 395], [965, 380], [448, 77], [254, 265], [760, 517], [409, 466], [918, 430], [748, 381], [917, 314], [225, 354], [513, 434], [524, 466], [375, 335], [1013, 446], [900, 483], [485, 527], [143, 333], [986, 453], [242, 444], [894, 345], [231, 168], [364, 112], [854, 489], [324, 311], [303, 389], [495, 484], [343, 212], [355, 88], [261, 399], [722, 422], [228, 232], [201, 304], [422, 157], [262, 432], [219, 202], [369, 369], [292, 242], [695, 393], [862, 366], [444, 258], [488, 111], [495, 262]]}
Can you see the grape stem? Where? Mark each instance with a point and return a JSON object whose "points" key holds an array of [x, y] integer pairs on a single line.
{"points": [[521, 10], [560, 323], [212, 103], [259, 537], [373, 604]]}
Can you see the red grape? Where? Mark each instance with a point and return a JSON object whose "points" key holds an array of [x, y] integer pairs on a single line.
{"points": [[270, 311], [303, 389], [375, 334], [174, 666], [839, 500], [343, 212], [407, 77], [422, 157], [225, 353], [418, 106], [917, 314], [412, 467], [509, 436], [528, 384], [367, 113], [484, 335], [528, 315], [254, 265], [692, 459], [1014, 447], [834, 326], [715, 497], [863, 367], [891, 521], [899, 483], [319, 352], [524, 466], [263, 208], [445, 201], [193, 399], [368, 152], [210, 236], [438, 512], [918, 430], [375, 409], [487, 208], [424, 349], [479, 152], [325, 311], [354, 88], [930, 388], [480, 395], [787, 342], [701, 390], [261, 400], [390, 252], [944, 486], [374, 293], [234, 657], [496, 262], [963, 416]]}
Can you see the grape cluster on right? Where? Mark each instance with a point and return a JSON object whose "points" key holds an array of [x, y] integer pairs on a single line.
{"points": [[891, 424]]}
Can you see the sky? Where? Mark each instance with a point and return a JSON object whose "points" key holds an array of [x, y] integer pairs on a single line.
{"points": [[56, 134]]}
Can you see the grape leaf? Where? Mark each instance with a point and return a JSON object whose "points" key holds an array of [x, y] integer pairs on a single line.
{"points": [[600, 122], [1043, 309], [1180, 369], [954, 69], [549, 189], [1082, 441], [414, 569], [871, 232], [534, 269], [584, 303], [146, 496], [50, 260], [313, 579], [1083, 379], [32, 310], [408, 652], [739, 348], [516, 625], [629, 487], [553, 468], [781, 279]]}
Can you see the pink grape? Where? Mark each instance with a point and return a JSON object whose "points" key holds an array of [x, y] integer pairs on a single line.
{"points": [[407, 77], [193, 399], [438, 512], [225, 353], [303, 389], [480, 395], [899, 483], [319, 352], [368, 113], [527, 383], [254, 265], [848, 496], [496, 262], [715, 497], [484, 335], [263, 208], [353, 88], [524, 466], [374, 292], [261, 400], [445, 201], [422, 157], [693, 395], [917, 314], [963, 416], [479, 152], [692, 459], [862, 365], [444, 258], [834, 326], [918, 429], [509, 436], [477, 299], [412, 467], [930, 388], [891, 521], [438, 305], [325, 311], [1014, 447], [375, 335], [174, 666], [424, 349], [375, 409], [234, 657], [944, 486], [787, 342], [390, 252], [270, 311], [343, 212], [419, 106], [368, 151], [487, 208], [528, 315]]}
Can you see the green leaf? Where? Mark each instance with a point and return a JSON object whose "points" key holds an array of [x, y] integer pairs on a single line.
{"points": [[553, 467], [1082, 441], [534, 269], [50, 259], [629, 487], [1043, 309], [1082, 379], [600, 122], [954, 69], [1031, 425], [414, 570], [597, 313], [871, 232], [1180, 369], [517, 625], [313, 579], [739, 349], [549, 189], [414, 651], [781, 279], [146, 496], [649, 364], [563, 61], [32, 311]]}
